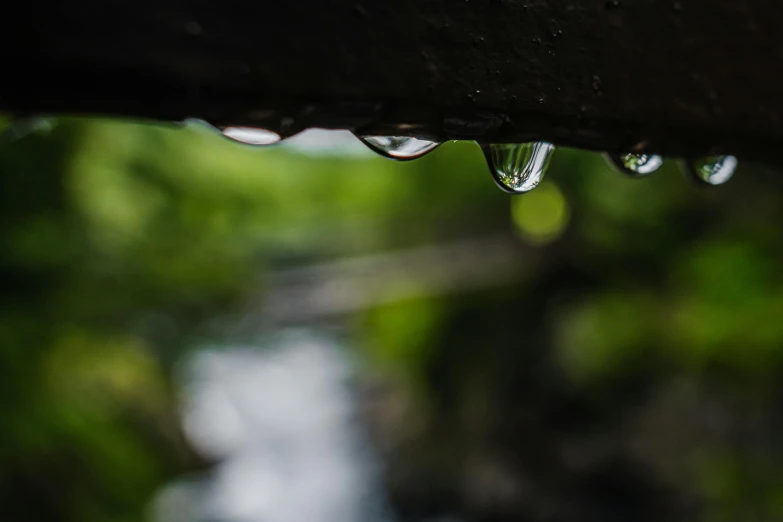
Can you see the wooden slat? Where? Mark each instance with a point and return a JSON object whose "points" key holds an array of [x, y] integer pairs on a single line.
{"points": [[674, 77]]}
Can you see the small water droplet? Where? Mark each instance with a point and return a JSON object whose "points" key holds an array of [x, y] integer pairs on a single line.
{"points": [[399, 147], [251, 135], [248, 135], [518, 167], [635, 165], [712, 170]]}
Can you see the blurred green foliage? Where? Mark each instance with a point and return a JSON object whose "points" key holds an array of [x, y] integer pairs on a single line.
{"points": [[632, 371]]}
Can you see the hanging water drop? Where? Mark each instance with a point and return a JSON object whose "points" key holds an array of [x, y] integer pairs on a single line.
{"points": [[635, 165], [399, 147], [251, 135], [518, 167], [248, 135], [712, 170]]}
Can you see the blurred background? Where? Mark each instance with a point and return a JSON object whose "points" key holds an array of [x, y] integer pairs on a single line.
{"points": [[196, 330]]}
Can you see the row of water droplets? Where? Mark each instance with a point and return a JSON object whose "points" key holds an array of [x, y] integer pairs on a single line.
{"points": [[516, 167]]}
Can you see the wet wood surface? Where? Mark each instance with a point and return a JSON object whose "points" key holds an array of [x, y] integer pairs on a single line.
{"points": [[675, 77]]}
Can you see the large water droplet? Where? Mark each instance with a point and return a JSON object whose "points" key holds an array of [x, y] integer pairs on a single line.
{"points": [[518, 167], [399, 147], [712, 170], [635, 165], [251, 135]]}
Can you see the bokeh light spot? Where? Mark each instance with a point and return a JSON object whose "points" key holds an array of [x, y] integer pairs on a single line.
{"points": [[542, 215]]}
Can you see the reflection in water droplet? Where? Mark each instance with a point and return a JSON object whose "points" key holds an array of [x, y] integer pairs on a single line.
{"points": [[399, 147], [251, 136], [635, 165], [518, 167], [713, 170]]}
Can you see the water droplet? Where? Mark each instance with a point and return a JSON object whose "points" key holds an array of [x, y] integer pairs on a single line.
{"points": [[635, 165], [712, 170], [251, 135], [518, 167], [248, 135], [399, 147]]}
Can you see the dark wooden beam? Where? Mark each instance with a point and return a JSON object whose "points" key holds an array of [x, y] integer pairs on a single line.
{"points": [[675, 77]]}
